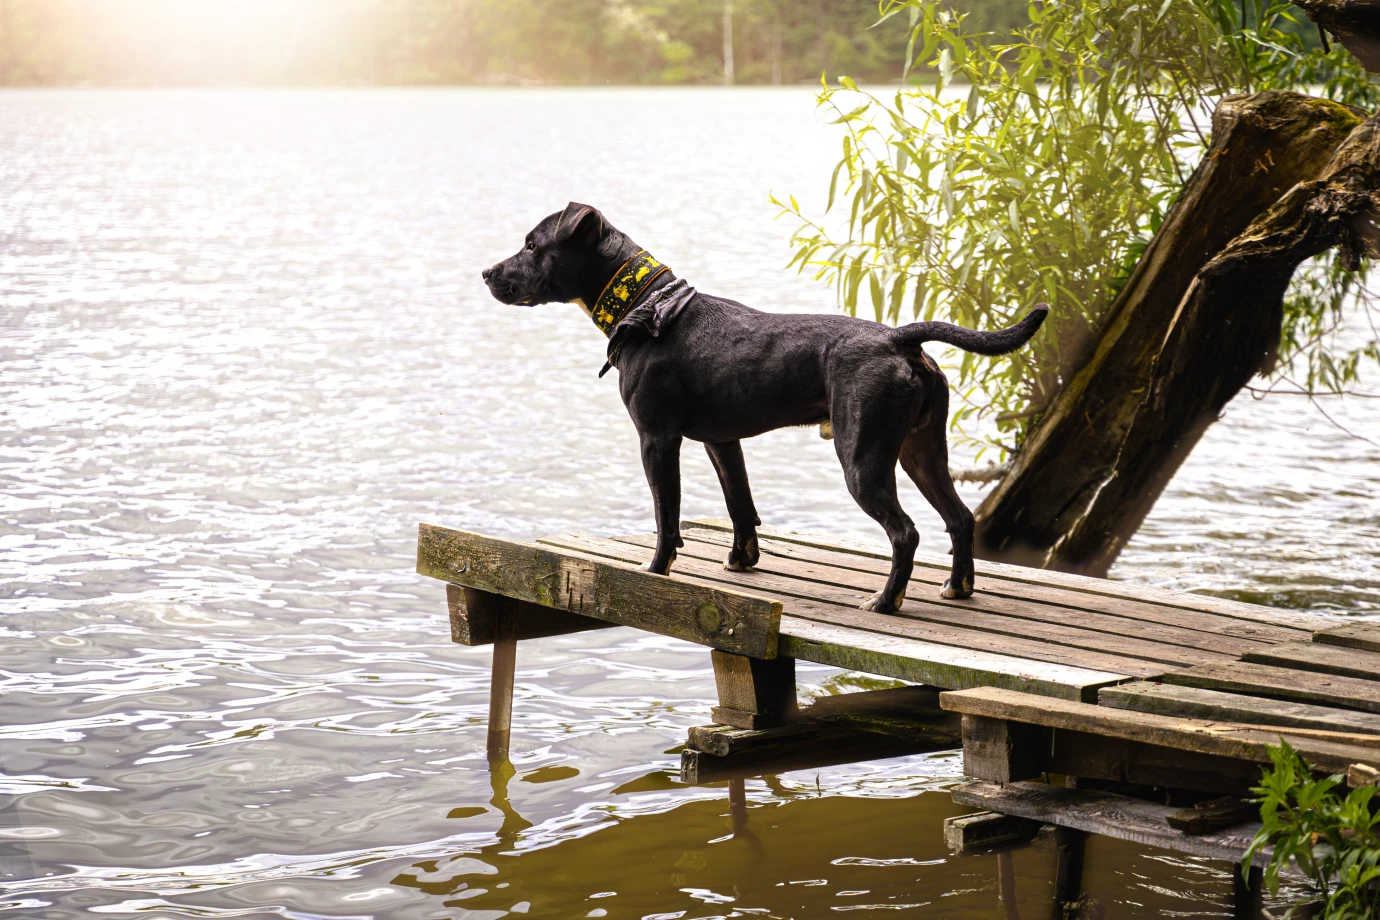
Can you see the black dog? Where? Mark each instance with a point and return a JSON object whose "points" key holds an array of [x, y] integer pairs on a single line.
{"points": [[709, 369]]}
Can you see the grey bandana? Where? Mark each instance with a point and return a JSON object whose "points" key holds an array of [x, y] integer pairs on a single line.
{"points": [[652, 316]]}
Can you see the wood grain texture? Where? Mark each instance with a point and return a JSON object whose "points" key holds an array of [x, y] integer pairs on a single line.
{"points": [[1022, 574], [1281, 683], [1320, 658], [1240, 742], [938, 665], [1000, 595], [474, 618], [1363, 636], [1110, 815], [1089, 629], [969, 835], [842, 611], [619, 593], [1196, 703]]}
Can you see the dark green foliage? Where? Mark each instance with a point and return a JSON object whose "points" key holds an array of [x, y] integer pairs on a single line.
{"points": [[1334, 840]]}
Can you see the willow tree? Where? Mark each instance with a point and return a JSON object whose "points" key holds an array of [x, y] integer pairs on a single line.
{"points": [[1100, 159]]}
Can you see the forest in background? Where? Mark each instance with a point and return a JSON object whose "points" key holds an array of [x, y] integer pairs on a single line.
{"points": [[392, 42]]}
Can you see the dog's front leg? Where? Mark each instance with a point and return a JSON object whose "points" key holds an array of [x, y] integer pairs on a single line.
{"points": [[727, 458], [661, 461]]}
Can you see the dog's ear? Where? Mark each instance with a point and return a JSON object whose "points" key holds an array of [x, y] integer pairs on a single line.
{"points": [[573, 216]]}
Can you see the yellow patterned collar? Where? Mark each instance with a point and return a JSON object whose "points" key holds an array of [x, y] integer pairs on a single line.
{"points": [[623, 289]]}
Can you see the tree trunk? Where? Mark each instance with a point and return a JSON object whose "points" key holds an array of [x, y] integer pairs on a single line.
{"points": [[1263, 145], [1354, 23], [1227, 329]]}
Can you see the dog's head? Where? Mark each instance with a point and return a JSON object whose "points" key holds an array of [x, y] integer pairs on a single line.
{"points": [[560, 261]]}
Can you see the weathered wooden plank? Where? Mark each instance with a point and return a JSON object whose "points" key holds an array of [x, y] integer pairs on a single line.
{"points": [[1213, 815], [1196, 703], [1320, 658], [474, 618], [718, 617], [1364, 636], [1101, 586], [1059, 627], [1281, 683], [753, 693], [1108, 814], [1240, 742], [786, 748], [1123, 635], [1164, 623], [906, 712], [1001, 750], [934, 664], [968, 835], [846, 613]]}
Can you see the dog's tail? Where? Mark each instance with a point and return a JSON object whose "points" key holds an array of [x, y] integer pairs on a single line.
{"points": [[983, 343]]}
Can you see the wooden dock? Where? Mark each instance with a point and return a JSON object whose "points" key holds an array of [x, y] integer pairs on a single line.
{"points": [[1136, 694]]}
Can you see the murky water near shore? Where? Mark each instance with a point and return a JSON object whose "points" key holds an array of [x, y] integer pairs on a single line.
{"points": [[244, 349]]}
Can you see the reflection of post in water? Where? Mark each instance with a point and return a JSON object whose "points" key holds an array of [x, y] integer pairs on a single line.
{"points": [[513, 823], [737, 804]]}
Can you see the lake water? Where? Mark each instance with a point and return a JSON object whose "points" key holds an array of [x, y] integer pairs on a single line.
{"points": [[244, 349]]}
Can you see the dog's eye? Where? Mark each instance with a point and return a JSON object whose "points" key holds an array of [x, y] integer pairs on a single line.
{"points": [[531, 247]]}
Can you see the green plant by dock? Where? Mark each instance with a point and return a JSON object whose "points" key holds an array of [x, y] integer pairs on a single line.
{"points": [[1333, 839]]}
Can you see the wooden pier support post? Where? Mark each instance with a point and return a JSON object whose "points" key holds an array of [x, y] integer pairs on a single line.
{"points": [[1006, 884], [501, 679], [1069, 847], [753, 692], [1247, 895]]}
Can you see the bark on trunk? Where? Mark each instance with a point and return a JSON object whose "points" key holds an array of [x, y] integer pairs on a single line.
{"points": [[1354, 23], [1226, 329], [1263, 145]]}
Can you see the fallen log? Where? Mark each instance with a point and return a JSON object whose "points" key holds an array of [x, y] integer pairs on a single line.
{"points": [[1262, 146], [1225, 331]]}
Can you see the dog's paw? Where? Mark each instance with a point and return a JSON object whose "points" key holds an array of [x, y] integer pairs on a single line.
{"points": [[880, 603], [663, 568], [962, 591], [742, 558]]}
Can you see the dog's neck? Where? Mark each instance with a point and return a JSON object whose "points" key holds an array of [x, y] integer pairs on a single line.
{"points": [[624, 280]]}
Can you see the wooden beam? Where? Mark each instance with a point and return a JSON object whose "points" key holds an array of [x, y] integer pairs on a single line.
{"points": [[906, 712], [1001, 751], [1281, 683], [1364, 636], [1319, 658], [1239, 742], [753, 693], [1108, 814], [577, 583], [474, 618], [1196, 703], [799, 746], [969, 835], [937, 665]]}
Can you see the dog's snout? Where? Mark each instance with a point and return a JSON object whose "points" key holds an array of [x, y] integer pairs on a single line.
{"points": [[486, 273]]}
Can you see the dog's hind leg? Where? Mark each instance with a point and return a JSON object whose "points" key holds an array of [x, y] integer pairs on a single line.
{"points": [[661, 462], [869, 469], [727, 458], [925, 458]]}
